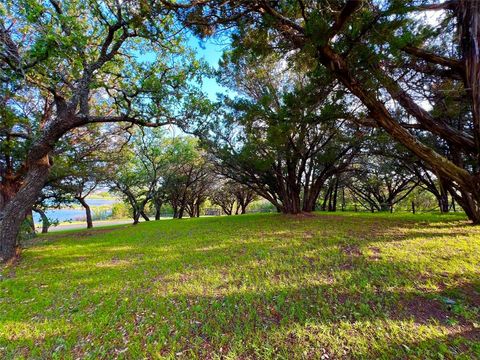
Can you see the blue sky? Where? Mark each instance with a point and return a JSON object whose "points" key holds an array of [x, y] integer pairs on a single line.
{"points": [[211, 52]]}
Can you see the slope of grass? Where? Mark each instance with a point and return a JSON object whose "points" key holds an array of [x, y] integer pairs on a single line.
{"points": [[252, 286]]}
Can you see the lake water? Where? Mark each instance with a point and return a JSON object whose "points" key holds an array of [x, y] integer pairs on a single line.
{"points": [[69, 214]]}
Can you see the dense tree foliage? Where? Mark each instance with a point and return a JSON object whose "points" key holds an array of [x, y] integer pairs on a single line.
{"points": [[281, 137], [387, 56], [313, 88], [65, 65], [188, 177]]}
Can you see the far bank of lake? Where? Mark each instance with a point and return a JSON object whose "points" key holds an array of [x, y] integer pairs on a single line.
{"points": [[73, 214]]}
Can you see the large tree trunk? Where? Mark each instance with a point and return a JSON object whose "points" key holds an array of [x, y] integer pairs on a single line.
{"points": [[311, 197], [470, 202], [468, 14], [16, 209], [291, 205], [88, 212]]}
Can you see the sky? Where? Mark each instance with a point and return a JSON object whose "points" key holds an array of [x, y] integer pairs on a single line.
{"points": [[211, 52]]}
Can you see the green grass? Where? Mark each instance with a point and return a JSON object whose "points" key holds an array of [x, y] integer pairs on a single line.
{"points": [[251, 286]]}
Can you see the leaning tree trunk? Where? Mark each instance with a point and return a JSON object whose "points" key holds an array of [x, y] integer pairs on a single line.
{"points": [[45, 221], [468, 14], [88, 212], [470, 202], [468, 184], [144, 216], [15, 211]]}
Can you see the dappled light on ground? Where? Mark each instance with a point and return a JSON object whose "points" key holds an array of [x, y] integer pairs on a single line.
{"points": [[254, 286]]}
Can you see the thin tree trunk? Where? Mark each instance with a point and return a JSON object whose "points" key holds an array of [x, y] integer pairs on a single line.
{"points": [[45, 221], [88, 212], [335, 195], [181, 212], [144, 216], [198, 209], [136, 216], [325, 199]]}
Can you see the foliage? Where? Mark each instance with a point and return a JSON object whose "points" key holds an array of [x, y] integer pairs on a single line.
{"points": [[120, 210], [387, 58], [67, 65], [282, 137]]}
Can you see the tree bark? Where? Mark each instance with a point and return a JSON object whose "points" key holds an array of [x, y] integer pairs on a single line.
{"points": [[144, 216], [443, 204], [88, 212], [468, 15], [335, 196], [15, 210], [197, 205], [136, 216], [45, 221], [467, 184]]}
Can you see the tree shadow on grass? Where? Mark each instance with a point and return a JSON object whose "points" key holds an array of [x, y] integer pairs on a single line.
{"points": [[284, 287]]}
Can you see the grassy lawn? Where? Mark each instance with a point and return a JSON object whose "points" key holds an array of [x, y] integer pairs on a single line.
{"points": [[253, 286]]}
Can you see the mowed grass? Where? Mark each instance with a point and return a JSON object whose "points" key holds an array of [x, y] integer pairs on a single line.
{"points": [[327, 286]]}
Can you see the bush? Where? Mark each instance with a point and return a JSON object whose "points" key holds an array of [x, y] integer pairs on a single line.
{"points": [[101, 213], [120, 211]]}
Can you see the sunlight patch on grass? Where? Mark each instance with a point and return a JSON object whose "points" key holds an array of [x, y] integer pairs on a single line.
{"points": [[257, 286]]}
